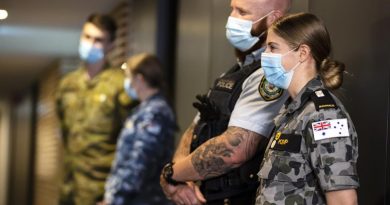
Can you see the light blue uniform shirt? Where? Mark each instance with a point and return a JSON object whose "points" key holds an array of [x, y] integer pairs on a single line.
{"points": [[255, 110]]}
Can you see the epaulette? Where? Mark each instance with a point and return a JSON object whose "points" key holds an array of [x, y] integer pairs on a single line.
{"points": [[322, 99]]}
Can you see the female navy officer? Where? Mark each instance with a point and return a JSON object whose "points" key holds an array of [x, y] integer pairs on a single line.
{"points": [[146, 140], [311, 157]]}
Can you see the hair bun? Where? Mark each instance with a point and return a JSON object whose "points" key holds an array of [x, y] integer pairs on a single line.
{"points": [[331, 72]]}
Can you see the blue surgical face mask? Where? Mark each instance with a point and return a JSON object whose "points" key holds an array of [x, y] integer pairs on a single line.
{"points": [[129, 89], [274, 71], [238, 32], [90, 53]]}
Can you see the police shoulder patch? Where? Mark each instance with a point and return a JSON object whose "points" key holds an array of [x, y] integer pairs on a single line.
{"points": [[268, 91]]}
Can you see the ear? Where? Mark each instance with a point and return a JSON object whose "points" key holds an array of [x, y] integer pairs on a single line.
{"points": [[110, 46], [304, 52], [276, 14], [140, 78]]}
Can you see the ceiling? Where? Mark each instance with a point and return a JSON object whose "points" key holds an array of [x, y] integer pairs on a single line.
{"points": [[37, 33]]}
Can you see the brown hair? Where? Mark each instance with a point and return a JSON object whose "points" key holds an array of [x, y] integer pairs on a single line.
{"points": [[104, 22], [149, 67], [306, 28]]}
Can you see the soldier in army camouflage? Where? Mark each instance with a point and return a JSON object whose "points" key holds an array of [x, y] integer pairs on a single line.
{"points": [[311, 157], [91, 105], [146, 141]]}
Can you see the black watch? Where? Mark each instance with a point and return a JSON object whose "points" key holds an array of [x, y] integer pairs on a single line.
{"points": [[167, 174]]}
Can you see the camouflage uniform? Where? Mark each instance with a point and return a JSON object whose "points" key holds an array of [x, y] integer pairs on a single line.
{"points": [[298, 167], [145, 145], [91, 112]]}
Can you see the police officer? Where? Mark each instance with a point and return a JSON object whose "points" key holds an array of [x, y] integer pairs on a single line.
{"points": [[91, 105], [221, 147], [311, 157]]}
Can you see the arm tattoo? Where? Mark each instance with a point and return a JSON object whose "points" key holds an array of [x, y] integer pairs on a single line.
{"points": [[209, 160], [247, 139]]}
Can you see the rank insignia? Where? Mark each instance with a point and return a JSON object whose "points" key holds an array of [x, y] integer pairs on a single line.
{"points": [[268, 91], [287, 142]]}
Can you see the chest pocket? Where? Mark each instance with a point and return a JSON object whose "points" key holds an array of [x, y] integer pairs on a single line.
{"points": [[284, 162]]}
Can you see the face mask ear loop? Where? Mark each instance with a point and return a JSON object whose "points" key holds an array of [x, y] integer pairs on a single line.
{"points": [[295, 66], [262, 33], [294, 49], [263, 17]]}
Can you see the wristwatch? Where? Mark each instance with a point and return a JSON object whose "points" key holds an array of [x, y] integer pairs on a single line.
{"points": [[167, 174]]}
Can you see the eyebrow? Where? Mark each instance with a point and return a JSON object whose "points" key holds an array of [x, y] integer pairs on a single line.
{"points": [[241, 9], [272, 44]]}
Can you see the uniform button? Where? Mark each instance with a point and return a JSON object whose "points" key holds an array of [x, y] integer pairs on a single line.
{"points": [[251, 176], [194, 137]]}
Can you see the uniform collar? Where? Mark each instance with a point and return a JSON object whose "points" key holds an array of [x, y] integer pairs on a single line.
{"points": [[92, 82], [155, 96], [252, 57], [303, 95]]}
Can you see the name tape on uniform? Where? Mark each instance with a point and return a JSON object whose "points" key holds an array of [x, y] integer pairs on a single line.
{"points": [[330, 128]]}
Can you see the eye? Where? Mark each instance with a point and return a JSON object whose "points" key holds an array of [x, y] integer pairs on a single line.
{"points": [[242, 12], [272, 47], [87, 36], [99, 40]]}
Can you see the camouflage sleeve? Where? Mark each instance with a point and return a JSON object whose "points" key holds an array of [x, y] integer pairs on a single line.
{"points": [[59, 108], [332, 142], [57, 98]]}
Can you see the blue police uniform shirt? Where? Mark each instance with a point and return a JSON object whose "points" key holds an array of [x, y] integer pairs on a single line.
{"points": [[145, 144]]}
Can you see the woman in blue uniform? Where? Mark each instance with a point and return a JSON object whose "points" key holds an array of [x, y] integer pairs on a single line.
{"points": [[146, 140], [312, 155]]}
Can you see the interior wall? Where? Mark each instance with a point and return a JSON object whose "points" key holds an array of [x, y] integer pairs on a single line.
{"points": [[193, 56], [5, 122], [142, 26], [21, 147], [48, 143], [360, 38]]}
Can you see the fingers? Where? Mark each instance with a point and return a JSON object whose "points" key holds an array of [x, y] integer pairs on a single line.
{"points": [[199, 97], [185, 195], [168, 189], [197, 192]]}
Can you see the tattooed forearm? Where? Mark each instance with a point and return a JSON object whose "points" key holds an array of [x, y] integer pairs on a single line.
{"points": [[221, 154], [246, 139], [183, 148], [208, 159]]}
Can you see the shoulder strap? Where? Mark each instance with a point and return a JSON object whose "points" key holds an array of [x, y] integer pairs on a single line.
{"points": [[246, 72], [323, 100]]}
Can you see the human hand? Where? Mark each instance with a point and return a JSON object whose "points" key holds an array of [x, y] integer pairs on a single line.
{"points": [[188, 194], [208, 109], [183, 194], [168, 189]]}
